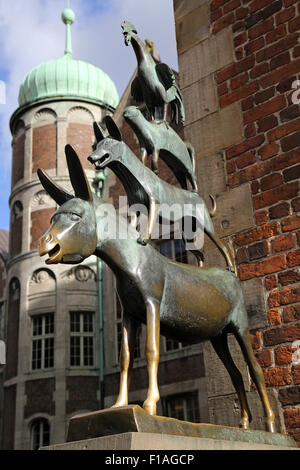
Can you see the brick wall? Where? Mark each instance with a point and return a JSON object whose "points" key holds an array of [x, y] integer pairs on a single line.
{"points": [[39, 395], [18, 159], [81, 137], [40, 222], [265, 37], [44, 147], [82, 394], [242, 57]]}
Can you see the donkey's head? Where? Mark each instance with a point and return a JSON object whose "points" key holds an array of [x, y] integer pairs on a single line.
{"points": [[72, 235], [108, 149]]}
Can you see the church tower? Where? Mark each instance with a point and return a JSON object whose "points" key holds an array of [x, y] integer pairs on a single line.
{"points": [[53, 356]]}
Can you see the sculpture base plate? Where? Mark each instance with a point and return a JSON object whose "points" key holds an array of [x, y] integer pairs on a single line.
{"points": [[133, 419]]}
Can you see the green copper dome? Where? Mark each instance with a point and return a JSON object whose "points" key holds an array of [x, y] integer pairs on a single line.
{"points": [[67, 77]]}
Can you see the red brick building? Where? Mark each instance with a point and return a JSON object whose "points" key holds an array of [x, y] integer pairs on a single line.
{"points": [[244, 55]]}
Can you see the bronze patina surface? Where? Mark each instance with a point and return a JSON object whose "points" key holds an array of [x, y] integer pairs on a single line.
{"points": [[158, 139], [144, 187], [133, 418], [184, 302], [155, 83]]}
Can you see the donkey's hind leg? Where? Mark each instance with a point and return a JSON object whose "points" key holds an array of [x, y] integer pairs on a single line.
{"points": [[257, 376], [221, 347], [152, 355], [129, 328]]}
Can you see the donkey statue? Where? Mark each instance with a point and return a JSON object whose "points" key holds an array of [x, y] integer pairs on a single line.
{"points": [[144, 187], [182, 301]]}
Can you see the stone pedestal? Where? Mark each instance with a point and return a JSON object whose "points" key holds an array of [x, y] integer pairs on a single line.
{"points": [[154, 441], [131, 428]]}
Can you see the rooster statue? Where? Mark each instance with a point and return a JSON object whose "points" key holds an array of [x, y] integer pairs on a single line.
{"points": [[155, 83]]}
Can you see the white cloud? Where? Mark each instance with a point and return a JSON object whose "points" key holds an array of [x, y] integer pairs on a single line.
{"points": [[32, 32]]}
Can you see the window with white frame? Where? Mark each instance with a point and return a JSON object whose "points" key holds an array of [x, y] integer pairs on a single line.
{"points": [[184, 407], [82, 339], [42, 330], [40, 433]]}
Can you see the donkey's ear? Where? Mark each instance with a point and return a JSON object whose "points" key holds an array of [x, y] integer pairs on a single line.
{"points": [[77, 174], [98, 132], [54, 190], [113, 128]]}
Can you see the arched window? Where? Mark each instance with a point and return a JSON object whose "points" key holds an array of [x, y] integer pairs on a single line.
{"points": [[40, 433]]}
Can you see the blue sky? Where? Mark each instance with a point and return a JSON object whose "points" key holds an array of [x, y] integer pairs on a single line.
{"points": [[31, 32]]}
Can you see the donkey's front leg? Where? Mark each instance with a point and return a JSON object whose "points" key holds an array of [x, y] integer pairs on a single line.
{"points": [[126, 359], [152, 356]]}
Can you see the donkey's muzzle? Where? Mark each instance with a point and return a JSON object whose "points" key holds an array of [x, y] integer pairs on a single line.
{"points": [[48, 245]]}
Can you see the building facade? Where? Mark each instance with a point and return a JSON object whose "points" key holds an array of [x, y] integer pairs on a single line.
{"points": [[238, 66], [52, 366], [238, 61], [61, 360], [3, 259]]}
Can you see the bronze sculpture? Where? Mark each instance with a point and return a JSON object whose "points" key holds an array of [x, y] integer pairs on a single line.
{"points": [[153, 290], [188, 303], [160, 140], [155, 84], [144, 187]]}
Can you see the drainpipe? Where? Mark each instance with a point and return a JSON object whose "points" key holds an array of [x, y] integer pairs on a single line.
{"points": [[98, 184]]}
